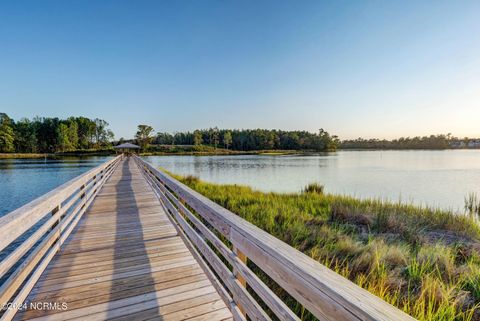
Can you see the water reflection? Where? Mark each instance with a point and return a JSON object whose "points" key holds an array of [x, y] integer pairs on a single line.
{"points": [[23, 180], [434, 178]]}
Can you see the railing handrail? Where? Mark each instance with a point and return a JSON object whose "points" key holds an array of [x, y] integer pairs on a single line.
{"points": [[32, 212], [61, 209], [326, 294]]}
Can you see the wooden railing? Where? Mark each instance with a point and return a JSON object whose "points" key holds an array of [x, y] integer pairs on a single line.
{"points": [[38, 229], [223, 242]]}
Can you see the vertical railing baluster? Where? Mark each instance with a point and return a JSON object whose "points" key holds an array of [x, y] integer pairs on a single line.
{"points": [[242, 257], [54, 211]]}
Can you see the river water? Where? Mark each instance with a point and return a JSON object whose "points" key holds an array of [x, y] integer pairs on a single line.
{"points": [[428, 178], [23, 180], [433, 178]]}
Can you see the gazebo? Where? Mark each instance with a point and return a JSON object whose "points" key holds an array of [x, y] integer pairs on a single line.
{"points": [[126, 148]]}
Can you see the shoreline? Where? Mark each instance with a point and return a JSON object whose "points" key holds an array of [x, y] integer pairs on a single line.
{"points": [[209, 153], [180, 153]]}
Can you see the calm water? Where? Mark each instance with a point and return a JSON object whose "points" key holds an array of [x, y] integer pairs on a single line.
{"points": [[434, 178], [23, 180]]}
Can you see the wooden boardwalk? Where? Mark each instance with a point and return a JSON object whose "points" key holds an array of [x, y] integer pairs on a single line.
{"points": [[125, 241], [125, 261]]}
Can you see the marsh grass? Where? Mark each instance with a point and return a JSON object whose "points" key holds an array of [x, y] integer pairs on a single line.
{"points": [[424, 261], [314, 188], [472, 204], [21, 155]]}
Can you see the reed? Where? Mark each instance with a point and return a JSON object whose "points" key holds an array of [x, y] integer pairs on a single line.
{"points": [[314, 188], [472, 204]]}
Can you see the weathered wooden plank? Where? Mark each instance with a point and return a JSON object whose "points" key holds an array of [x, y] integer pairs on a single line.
{"points": [[78, 267], [120, 285], [150, 246], [215, 315], [117, 266], [170, 310], [118, 308], [186, 312], [76, 302]]}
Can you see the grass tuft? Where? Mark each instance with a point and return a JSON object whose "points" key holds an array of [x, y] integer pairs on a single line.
{"points": [[472, 204], [315, 188]]}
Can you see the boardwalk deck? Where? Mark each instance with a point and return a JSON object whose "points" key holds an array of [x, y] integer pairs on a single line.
{"points": [[125, 241], [125, 261]]}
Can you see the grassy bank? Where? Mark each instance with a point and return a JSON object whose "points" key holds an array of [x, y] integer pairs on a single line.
{"points": [[22, 155], [77, 153], [424, 261], [179, 151], [204, 150]]}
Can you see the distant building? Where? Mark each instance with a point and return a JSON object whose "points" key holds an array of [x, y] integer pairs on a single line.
{"points": [[474, 143], [471, 143], [458, 144]]}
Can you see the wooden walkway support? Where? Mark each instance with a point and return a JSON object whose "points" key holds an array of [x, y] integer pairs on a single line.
{"points": [[127, 242]]}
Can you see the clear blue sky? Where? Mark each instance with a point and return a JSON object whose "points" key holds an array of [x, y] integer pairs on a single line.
{"points": [[355, 68]]}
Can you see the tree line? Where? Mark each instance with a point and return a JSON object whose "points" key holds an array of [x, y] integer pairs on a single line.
{"points": [[48, 135], [251, 139], [426, 142]]}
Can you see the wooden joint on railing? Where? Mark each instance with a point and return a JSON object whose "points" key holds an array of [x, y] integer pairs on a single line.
{"points": [[54, 211], [82, 188], [242, 257]]}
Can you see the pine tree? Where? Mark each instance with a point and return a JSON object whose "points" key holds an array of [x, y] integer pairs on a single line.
{"points": [[7, 135], [197, 138]]}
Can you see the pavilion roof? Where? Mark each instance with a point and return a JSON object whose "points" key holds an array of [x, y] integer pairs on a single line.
{"points": [[126, 146]]}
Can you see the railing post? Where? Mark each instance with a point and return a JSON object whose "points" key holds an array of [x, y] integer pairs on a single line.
{"points": [[242, 257], [54, 211], [82, 191]]}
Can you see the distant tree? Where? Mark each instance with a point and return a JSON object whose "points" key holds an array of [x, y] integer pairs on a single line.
{"points": [[163, 138], [425, 142], [197, 138], [227, 139], [64, 144], [73, 133], [103, 136], [43, 134], [47, 134], [175, 135], [214, 137], [254, 139], [25, 136], [333, 143], [143, 135], [86, 132], [7, 135]]}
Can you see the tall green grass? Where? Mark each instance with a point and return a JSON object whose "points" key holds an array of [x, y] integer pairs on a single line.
{"points": [[472, 204], [424, 261]]}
